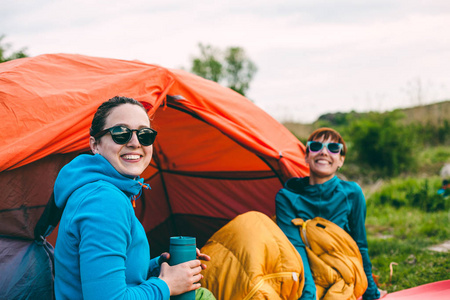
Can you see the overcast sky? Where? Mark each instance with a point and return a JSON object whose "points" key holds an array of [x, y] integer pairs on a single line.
{"points": [[313, 57]]}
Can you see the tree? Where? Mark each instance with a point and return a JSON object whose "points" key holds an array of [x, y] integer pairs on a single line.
{"points": [[239, 69], [231, 67], [208, 65], [5, 47]]}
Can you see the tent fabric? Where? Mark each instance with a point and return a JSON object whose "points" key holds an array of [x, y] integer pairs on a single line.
{"points": [[48, 101], [217, 154], [26, 269], [439, 290]]}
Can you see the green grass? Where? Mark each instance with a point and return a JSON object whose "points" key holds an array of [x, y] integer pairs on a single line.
{"points": [[431, 159], [411, 192], [402, 235]]}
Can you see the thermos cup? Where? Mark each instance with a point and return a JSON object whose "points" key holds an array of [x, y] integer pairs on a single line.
{"points": [[182, 249]]}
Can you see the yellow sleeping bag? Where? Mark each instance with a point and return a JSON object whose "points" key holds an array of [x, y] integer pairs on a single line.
{"points": [[251, 258], [334, 258]]}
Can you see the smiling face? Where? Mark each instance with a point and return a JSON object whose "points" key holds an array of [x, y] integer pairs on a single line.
{"points": [[323, 164], [129, 159]]}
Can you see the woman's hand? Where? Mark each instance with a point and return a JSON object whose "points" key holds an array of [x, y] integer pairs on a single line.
{"points": [[164, 257], [203, 256], [183, 277]]}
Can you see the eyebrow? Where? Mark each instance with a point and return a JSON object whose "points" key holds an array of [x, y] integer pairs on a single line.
{"points": [[128, 126]]}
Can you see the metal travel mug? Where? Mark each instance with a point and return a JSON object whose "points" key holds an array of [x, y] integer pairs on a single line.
{"points": [[182, 249]]}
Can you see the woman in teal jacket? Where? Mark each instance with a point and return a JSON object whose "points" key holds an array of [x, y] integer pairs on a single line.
{"points": [[102, 250], [323, 194]]}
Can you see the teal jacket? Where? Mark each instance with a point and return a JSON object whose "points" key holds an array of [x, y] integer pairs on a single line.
{"points": [[102, 250], [341, 202]]}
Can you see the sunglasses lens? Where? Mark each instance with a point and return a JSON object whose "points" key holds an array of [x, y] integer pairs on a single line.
{"points": [[334, 147], [315, 146], [146, 136], [121, 135]]}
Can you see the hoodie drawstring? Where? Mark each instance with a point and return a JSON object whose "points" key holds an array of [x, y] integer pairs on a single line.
{"points": [[135, 197]]}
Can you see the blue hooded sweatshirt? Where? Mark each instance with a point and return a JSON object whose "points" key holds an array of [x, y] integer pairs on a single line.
{"points": [[102, 250], [338, 201]]}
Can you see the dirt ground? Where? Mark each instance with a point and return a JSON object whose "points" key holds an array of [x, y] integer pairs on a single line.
{"points": [[444, 247]]}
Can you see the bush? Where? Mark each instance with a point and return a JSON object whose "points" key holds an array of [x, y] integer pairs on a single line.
{"points": [[420, 193], [381, 143], [431, 134]]}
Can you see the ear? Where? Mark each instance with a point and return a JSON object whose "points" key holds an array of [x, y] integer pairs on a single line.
{"points": [[342, 159], [307, 158], [93, 143]]}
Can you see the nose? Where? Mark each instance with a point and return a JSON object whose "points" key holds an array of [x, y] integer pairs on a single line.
{"points": [[134, 142], [324, 151]]}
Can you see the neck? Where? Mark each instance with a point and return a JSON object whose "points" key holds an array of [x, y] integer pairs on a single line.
{"points": [[319, 180]]}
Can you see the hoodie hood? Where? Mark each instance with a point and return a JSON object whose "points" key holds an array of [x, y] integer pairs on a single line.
{"points": [[86, 169]]}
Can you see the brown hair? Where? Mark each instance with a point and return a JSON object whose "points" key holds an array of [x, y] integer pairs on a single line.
{"points": [[326, 133], [104, 110]]}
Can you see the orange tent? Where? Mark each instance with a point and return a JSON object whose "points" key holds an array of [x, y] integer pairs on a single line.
{"points": [[217, 154]]}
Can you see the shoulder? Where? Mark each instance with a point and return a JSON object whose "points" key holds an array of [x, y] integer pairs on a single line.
{"points": [[354, 194], [99, 189], [100, 198], [349, 187]]}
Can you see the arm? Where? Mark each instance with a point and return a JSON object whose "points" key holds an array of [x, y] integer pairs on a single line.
{"points": [[155, 267], [285, 213], [103, 222], [357, 221]]}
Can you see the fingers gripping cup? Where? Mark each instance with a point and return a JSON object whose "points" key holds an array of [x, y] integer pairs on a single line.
{"points": [[182, 249]]}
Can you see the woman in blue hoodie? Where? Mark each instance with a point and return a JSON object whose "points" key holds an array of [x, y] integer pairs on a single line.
{"points": [[323, 194], [102, 250]]}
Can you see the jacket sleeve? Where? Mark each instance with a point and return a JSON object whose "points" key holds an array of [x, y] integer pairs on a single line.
{"points": [[285, 213], [103, 223], [154, 268], [357, 222]]}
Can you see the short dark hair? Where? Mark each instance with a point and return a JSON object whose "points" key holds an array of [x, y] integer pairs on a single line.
{"points": [[103, 111], [326, 133]]}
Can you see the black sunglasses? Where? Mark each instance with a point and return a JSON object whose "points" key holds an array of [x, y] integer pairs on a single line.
{"points": [[317, 146], [122, 135]]}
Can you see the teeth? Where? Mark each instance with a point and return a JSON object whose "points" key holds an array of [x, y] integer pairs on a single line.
{"points": [[131, 157], [321, 161]]}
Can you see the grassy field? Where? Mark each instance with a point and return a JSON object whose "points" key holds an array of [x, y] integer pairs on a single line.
{"points": [[405, 217], [399, 239]]}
